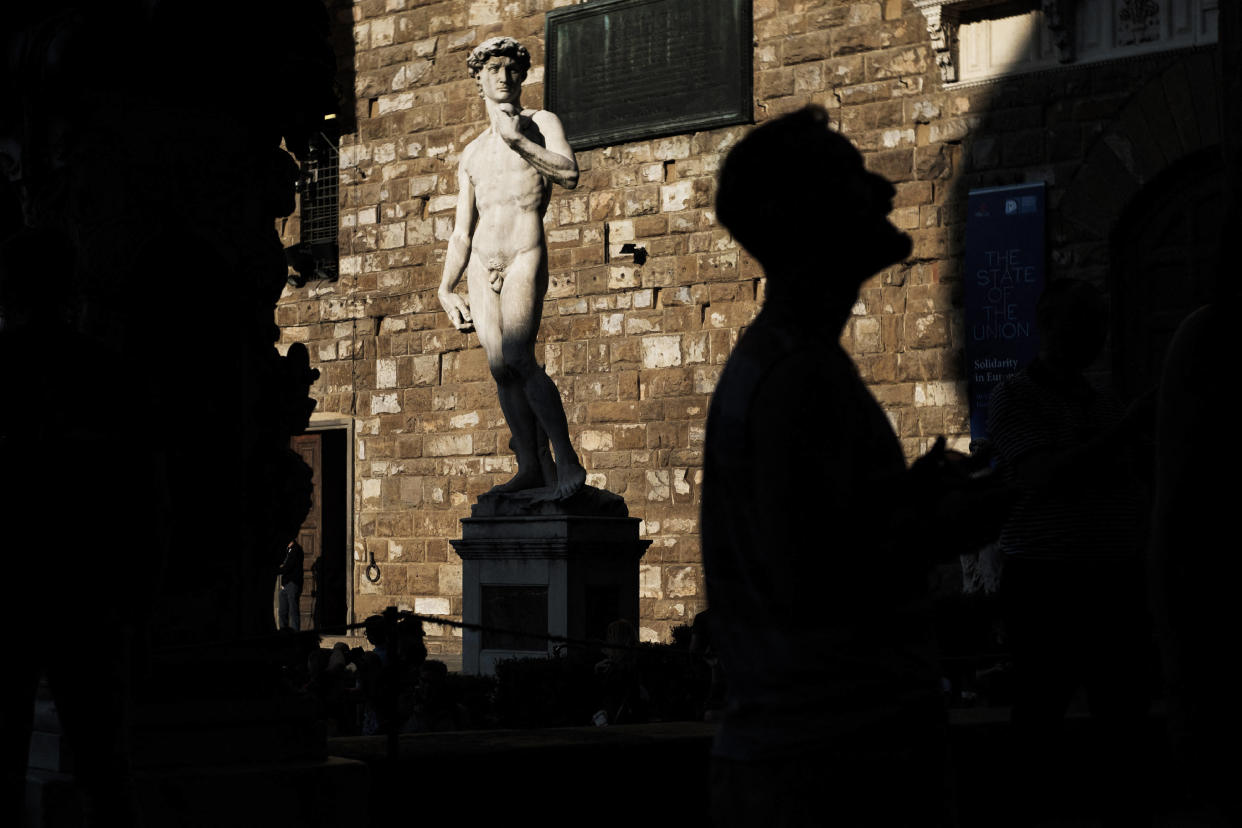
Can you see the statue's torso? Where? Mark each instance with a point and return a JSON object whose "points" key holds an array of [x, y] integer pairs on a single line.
{"points": [[510, 196]]}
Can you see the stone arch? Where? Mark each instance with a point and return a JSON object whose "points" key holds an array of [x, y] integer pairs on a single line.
{"points": [[1144, 213], [1172, 117], [1164, 257]]}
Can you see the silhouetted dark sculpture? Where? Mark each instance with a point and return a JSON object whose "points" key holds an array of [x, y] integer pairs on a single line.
{"points": [[144, 395], [816, 584], [1072, 585], [93, 604]]}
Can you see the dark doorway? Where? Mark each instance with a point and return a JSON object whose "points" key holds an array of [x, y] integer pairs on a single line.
{"points": [[325, 596], [1165, 257]]}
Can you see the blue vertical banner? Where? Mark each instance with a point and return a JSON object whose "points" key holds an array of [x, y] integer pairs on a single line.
{"points": [[1004, 276]]}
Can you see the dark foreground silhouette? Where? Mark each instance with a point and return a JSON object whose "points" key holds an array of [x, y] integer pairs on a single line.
{"points": [[816, 537]]}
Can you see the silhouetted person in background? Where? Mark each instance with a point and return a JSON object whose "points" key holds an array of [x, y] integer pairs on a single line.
{"points": [[1072, 588], [619, 677], [405, 669], [818, 591], [435, 708], [701, 645], [290, 611], [1195, 564]]}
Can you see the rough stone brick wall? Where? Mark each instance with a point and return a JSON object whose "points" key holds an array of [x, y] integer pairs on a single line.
{"points": [[635, 349]]}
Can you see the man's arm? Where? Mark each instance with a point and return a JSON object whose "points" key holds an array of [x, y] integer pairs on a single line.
{"points": [[459, 252], [555, 159], [293, 560]]}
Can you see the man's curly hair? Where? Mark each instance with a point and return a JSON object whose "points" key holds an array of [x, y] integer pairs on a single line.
{"points": [[498, 47]]}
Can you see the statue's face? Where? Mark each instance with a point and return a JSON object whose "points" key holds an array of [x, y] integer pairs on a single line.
{"points": [[501, 79]]}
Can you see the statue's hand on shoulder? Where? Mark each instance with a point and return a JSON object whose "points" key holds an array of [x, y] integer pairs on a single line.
{"points": [[458, 310]]}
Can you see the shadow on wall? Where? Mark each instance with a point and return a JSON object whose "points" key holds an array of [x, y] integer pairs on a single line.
{"points": [[341, 36], [1130, 153]]}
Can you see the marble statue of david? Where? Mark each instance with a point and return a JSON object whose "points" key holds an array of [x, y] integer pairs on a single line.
{"points": [[504, 182]]}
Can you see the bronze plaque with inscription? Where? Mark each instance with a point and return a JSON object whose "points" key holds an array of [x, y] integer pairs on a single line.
{"points": [[623, 70]]}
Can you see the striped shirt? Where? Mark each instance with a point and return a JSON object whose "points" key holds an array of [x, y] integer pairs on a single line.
{"points": [[1095, 511]]}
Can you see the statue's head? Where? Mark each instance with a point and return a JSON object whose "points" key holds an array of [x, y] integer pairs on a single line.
{"points": [[795, 194], [498, 47]]}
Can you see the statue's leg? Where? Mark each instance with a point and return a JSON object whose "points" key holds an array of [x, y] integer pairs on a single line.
{"points": [[521, 301], [546, 463], [485, 309]]}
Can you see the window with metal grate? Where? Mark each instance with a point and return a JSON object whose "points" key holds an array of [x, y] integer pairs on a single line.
{"points": [[315, 256]]}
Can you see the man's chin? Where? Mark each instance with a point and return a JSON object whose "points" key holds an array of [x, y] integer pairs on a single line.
{"points": [[903, 247], [892, 247]]}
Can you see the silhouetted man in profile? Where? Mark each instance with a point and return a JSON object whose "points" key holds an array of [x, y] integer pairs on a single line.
{"points": [[818, 596]]}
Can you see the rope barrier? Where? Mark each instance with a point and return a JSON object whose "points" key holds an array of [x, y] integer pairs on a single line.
{"points": [[386, 700], [337, 629]]}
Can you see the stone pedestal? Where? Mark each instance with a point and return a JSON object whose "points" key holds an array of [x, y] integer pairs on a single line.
{"points": [[565, 568]]}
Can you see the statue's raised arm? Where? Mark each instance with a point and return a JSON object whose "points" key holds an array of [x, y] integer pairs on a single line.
{"points": [[554, 158]]}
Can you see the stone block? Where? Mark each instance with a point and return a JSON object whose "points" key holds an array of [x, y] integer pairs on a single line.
{"points": [[807, 47], [927, 330], [450, 579], [671, 382], [650, 581], [613, 412], [676, 196], [643, 323], [444, 445], [774, 83], [933, 162], [668, 149], [661, 351], [682, 582], [640, 201], [895, 165], [658, 487], [896, 63]]}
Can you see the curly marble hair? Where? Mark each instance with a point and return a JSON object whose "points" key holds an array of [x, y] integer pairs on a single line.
{"points": [[498, 47]]}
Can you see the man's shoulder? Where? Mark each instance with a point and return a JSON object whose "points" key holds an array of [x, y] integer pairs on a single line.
{"points": [[778, 345], [771, 359]]}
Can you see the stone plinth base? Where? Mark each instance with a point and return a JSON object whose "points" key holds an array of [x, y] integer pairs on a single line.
{"points": [[532, 567]]}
